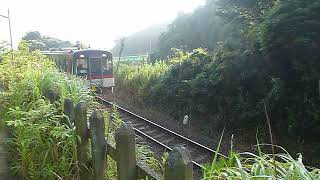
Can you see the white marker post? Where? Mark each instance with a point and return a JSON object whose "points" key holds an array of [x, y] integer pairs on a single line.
{"points": [[187, 122]]}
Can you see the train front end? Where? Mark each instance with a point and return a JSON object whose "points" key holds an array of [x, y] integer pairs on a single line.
{"points": [[96, 66]]}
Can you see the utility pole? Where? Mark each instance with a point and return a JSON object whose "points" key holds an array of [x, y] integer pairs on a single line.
{"points": [[150, 50], [9, 22], [150, 46]]}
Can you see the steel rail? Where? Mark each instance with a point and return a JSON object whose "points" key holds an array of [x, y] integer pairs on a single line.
{"points": [[163, 145], [162, 128]]}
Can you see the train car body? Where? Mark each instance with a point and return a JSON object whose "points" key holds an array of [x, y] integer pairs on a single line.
{"points": [[94, 65]]}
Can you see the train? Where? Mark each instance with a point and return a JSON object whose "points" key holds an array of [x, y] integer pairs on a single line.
{"points": [[94, 65]]}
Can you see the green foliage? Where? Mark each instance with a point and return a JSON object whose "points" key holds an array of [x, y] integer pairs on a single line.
{"points": [[289, 37], [261, 166], [217, 21], [138, 79], [249, 165], [202, 28], [37, 41], [255, 51], [40, 145]]}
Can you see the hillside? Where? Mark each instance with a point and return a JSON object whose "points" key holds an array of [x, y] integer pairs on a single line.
{"points": [[139, 42]]}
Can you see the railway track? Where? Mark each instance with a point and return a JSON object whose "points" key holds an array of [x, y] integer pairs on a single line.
{"points": [[162, 139]]}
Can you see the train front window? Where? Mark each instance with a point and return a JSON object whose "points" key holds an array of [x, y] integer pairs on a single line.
{"points": [[82, 67], [107, 66]]}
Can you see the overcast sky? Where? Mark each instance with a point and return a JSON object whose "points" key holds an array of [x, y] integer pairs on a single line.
{"points": [[94, 22]]}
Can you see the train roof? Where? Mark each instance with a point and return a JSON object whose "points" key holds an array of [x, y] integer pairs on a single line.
{"points": [[91, 53], [84, 53], [57, 52]]}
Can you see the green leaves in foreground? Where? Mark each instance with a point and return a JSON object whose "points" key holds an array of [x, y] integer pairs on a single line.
{"points": [[264, 166]]}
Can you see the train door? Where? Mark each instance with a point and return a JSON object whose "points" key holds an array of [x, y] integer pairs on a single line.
{"points": [[95, 71]]}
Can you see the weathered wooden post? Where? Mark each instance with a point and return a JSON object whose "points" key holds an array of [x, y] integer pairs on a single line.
{"points": [[2, 87], [179, 165], [108, 131], [98, 145], [52, 94], [69, 112], [82, 143], [126, 152], [4, 166]]}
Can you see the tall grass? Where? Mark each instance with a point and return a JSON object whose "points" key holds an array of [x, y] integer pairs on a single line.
{"points": [[260, 166], [138, 79], [40, 145]]}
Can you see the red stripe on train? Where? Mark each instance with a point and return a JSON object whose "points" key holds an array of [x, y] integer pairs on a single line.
{"points": [[100, 76]]}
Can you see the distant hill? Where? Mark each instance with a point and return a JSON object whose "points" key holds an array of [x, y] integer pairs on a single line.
{"points": [[139, 42]]}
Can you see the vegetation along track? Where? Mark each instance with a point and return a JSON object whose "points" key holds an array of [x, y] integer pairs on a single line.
{"points": [[162, 139]]}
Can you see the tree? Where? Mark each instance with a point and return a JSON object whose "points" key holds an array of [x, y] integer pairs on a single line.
{"points": [[37, 41], [259, 51], [202, 28], [33, 35], [290, 39], [80, 45]]}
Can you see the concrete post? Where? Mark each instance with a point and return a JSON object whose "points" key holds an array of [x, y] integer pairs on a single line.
{"points": [[83, 141], [98, 145], [126, 152], [69, 112], [179, 165]]}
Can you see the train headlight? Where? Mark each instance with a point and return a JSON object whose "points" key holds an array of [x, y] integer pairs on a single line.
{"points": [[104, 55]]}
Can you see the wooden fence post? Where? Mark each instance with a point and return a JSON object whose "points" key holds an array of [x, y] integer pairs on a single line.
{"points": [[108, 131], [98, 145], [179, 165], [52, 94], [4, 166], [82, 143], [69, 112], [126, 152]]}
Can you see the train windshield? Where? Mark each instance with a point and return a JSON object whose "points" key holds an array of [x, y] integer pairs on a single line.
{"points": [[82, 67]]}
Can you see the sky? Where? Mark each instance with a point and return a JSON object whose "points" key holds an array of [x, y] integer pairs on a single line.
{"points": [[97, 23]]}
